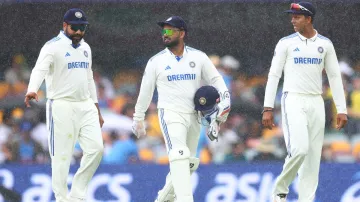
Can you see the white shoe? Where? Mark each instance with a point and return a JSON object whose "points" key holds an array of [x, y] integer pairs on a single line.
{"points": [[168, 198], [280, 198], [72, 199]]}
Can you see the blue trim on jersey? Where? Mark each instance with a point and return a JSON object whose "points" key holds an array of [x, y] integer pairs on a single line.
{"points": [[53, 138], [322, 37], [290, 36], [51, 129], [53, 40], [288, 146], [166, 133], [159, 53], [192, 49]]}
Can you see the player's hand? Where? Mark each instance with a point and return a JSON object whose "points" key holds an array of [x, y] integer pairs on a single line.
{"points": [[101, 120], [213, 130], [30, 96], [268, 119], [341, 121], [138, 128]]}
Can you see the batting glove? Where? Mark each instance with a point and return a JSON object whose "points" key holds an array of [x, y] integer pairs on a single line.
{"points": [[213, 130], [223, 113], [138, 128]]}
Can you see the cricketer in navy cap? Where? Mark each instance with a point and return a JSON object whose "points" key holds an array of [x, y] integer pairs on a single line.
{"points": [[75, 24], [175, 21]]}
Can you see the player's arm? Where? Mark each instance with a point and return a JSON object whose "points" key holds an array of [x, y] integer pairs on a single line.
{"points": [[276, 69], [211, 75], [145, 95], [43, 63], [92, 90], [335, 80]]}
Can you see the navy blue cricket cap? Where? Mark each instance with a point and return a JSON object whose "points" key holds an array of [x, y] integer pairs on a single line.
{"points": [[75, 16], [303, 8], [206, 97], [175, 21]]}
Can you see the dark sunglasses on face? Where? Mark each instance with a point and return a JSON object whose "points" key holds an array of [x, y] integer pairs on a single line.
{"points": [[80, 27], [298, 7], [169, 32]]}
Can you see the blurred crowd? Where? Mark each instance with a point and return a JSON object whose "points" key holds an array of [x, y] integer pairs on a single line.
{"points": [[24, 134]]}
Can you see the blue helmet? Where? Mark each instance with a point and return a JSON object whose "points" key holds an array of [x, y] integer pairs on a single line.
{"points": [[206, 97]]}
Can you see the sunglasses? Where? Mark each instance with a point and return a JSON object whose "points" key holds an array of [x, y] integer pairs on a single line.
{"points": [[298, 7], [169, 32], [80, 27]]}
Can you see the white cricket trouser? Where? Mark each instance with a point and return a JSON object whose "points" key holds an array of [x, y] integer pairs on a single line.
{"points": [[303, 121], [68, 122], [181, 132]]}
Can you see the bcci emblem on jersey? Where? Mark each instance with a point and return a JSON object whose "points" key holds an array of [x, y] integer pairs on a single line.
{"points": [[86, 54], [320, 49], [202, 101], [192, 64]]}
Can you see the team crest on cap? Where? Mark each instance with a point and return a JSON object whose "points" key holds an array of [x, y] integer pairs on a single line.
{"points": [[202, 101], [78, 14], [170, 18], [86, 54], [192, 64], [320, 49]]}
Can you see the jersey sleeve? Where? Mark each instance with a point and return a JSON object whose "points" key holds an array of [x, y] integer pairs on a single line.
{"points": [[332, 69], [91, 82], [275, 73], [212, 77], [43, 63], [146, 91]]}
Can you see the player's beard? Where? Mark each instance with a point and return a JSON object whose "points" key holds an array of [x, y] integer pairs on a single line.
{"points": [[75, 38], [172, 43]]}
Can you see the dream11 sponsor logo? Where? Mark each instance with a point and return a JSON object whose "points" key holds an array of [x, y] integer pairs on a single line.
{"points": [[352, 194], [248, 187]]}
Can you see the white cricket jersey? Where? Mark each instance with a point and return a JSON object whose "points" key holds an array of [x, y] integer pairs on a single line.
{"points": [[176, 80], [66, 69], [302, 60]]}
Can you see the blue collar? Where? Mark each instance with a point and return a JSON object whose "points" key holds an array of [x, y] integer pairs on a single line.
{"points": [[178, 58], [75, 45]]}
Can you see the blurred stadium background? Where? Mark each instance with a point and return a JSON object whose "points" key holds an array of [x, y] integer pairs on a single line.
{"points": [[238, 35]]}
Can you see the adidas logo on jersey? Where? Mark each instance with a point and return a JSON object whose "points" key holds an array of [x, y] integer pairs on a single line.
{"points": [[168, 67], [67, 54], [296, 49]]}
